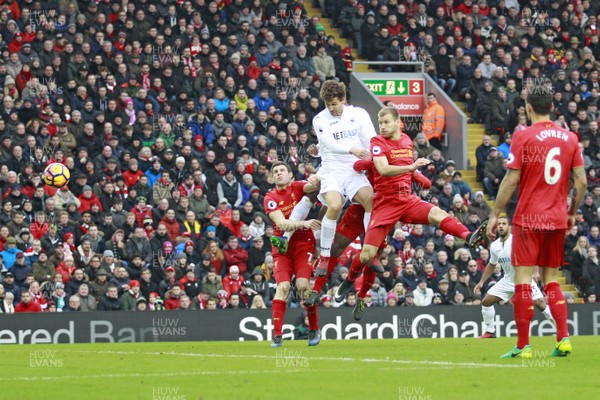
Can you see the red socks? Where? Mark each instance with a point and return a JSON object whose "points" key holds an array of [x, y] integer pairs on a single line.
{"points": [[313, 317], [558, 308], [320, 280], [278, 312], [454, 227], [355, 268], [368, 278], [524, 310]]}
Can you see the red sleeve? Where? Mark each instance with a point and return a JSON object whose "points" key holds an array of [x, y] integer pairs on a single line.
{"points": [[515, 157], [271, 203], [378, 148], [422, 180], [363, 165]]}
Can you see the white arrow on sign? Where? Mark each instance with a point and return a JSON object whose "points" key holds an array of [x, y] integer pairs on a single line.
{"points": [[401, 87]]}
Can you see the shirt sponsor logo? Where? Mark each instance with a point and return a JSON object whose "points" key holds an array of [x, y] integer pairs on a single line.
{"points": [[345, 134]]}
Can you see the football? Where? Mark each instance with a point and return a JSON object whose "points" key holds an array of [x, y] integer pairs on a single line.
{"points": [[56, 175]]}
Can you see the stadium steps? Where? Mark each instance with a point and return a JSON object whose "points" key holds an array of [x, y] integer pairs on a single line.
{"points": [[313, 11]]}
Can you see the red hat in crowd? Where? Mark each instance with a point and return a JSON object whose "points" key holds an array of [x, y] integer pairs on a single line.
{"points": [[189, 243], [133, 283], [170, 268]]}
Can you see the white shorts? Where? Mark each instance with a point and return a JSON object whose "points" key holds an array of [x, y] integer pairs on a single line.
{"points": [[505, 289], [345, 183]]}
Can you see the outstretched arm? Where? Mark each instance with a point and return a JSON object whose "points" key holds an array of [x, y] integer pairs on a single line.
{"points": [[385, 169]]}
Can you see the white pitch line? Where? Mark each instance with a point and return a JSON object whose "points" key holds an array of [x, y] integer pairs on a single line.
{"points": [[282, 370], [296, 352]]}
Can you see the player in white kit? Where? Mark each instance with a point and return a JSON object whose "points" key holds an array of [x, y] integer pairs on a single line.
{"points": [[504, 289], [344, 134]]}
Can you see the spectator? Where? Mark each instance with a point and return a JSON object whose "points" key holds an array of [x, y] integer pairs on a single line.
{"points": [[493, 173], [27, 304], [423, 295], [434, 121]]}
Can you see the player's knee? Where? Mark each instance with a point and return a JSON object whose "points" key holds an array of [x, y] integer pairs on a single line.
{"points": [[437, 215], [334, 208], [487, 302], [303, 288], [367, 255], [283, 289]]}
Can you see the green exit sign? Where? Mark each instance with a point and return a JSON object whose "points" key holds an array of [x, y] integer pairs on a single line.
{"points": [[395, 87]]}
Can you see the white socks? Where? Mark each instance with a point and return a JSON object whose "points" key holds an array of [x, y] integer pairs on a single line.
{"points": [[488, 318], [327, 234], [548, 314], [299, 213], [366, 220]]}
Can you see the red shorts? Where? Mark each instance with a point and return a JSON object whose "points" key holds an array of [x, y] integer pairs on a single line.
{"points": [[351, 224], [537, 248], [387, 210], [296, 262]]}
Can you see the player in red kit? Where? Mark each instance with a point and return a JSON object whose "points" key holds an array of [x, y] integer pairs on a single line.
{"points": [[392, 153], [541, 160], [297, 261]]}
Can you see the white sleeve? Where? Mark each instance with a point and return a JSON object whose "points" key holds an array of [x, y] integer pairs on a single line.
{"points": [[328, 142], [367, 129], [493, 255]]}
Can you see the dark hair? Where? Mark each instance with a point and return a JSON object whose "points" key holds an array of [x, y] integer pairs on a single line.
{"points": [[332, 89], [540, 99], [278, 163]]}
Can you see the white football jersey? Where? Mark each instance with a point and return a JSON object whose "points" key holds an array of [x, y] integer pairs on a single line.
{"points": [[337, 135], [500, 254]]}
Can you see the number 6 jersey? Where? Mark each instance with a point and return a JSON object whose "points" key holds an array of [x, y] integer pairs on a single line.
{"points": [[545, 154]]}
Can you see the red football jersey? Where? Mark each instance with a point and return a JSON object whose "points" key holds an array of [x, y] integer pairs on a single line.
{"points": [[398, 152], [285, 201], [545, 154]]}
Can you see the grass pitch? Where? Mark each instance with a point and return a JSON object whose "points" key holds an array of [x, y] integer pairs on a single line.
{"points": [[420, 369]]}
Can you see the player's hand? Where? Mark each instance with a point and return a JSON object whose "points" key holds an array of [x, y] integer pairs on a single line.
{"points": [[313, 150], [314, 180], [313, 224], [361, 153], [491, 228], [420, 162], [570, 222], [477, 289]]}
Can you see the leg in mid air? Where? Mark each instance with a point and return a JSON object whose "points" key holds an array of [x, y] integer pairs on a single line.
{"points": [[334, 201], [350, 226], [453, 226], [364, 197], [362, 263]]}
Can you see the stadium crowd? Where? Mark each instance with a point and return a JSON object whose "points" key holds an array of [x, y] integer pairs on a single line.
{"points": [[169, 114]]}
